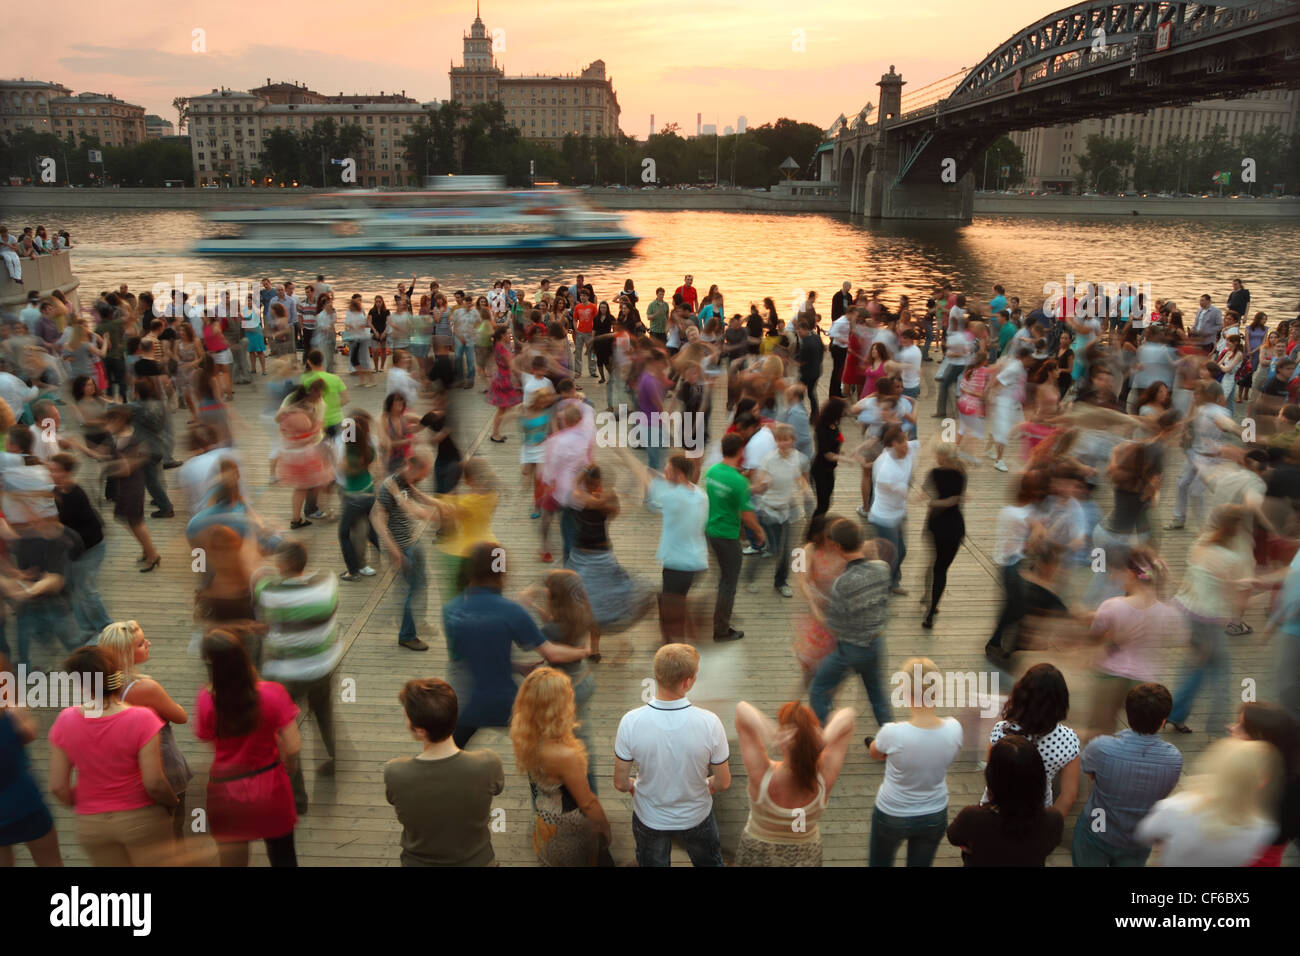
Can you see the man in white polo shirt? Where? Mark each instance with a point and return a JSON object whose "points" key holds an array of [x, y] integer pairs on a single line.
{"points": [[681, 753]]}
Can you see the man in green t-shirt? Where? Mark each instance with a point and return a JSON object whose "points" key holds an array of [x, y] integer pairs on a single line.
{"points": [[335, 392], [657, 313], [729, 508]]}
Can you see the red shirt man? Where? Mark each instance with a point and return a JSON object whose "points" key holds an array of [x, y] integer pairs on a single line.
{"points": [[689, 293], [584, 314]]}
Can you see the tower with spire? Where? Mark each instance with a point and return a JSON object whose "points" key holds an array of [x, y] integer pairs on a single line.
{"points": [[543, 108], [477, 79]]}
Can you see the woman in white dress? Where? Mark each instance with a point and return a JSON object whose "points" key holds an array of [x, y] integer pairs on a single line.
{"points": [[357, 332]]}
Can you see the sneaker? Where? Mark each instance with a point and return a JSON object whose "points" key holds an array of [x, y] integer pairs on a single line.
{"points": [[367, 572], [413, 645], [749, 549], [864, 512], [1175, 526], [348, 576], [993, 453], [535, 515], [786, 591], [901, 592], [162, 514], [1000, 465], [731, 635], [317, 514]]}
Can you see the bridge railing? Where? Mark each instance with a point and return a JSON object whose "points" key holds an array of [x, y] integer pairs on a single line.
{"points": [[1055, 64]]}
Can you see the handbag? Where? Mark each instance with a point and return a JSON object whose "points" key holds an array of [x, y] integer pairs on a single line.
{"points": [[101, 377]]}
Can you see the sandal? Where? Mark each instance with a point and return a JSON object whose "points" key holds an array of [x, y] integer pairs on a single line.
{"points": [[1238, 628], [1181, 728], [499, 441]]}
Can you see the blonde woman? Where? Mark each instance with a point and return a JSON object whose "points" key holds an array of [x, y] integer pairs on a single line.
{"points": [[912, 804], [944, 524], [1216, 587], [127, 645], [1221, 817], [565, 610], [569, 824]]}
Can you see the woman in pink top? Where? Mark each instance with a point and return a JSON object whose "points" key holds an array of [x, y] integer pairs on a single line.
{"points": [[121, 794], [252, 724], [877, 365], [1131, 630], [214, 342]]}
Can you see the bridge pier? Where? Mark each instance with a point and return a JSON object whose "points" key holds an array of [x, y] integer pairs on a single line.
{"points": [[918, 200]]}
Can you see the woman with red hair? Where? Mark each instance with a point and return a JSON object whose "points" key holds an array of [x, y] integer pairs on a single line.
{"points": [[788, 796]]}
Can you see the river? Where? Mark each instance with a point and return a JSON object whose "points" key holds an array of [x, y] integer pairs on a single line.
{"points": [[751, 255]]}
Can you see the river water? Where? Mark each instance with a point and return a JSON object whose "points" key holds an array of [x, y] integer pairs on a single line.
{"points": [[751, 255]]}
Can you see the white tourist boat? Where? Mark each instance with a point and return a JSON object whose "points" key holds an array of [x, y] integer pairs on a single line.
{"points": [[455, 217]]}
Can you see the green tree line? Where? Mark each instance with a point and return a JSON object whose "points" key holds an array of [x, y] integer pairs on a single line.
{"points": [[1185, 165], [150, 163]]}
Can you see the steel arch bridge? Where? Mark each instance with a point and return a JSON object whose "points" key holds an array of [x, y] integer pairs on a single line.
{"points": [[1087, 60], [1095, 35]]}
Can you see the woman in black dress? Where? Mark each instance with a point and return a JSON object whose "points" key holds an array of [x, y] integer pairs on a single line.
{"points": [[827, 440], [602, 343], [944, 523], [129, 458], [379, 322]]}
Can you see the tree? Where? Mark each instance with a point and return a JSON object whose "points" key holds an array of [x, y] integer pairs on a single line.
{"points": [[1002, 153], [787, 137], [1103, 165], [181, 105], [420, 144], [1268, 148], [282, 156]]}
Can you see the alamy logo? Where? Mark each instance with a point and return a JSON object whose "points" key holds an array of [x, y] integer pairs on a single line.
{"points": [[131, 910], [624, 429], [222, 299], [59, 689], [949, 689]]}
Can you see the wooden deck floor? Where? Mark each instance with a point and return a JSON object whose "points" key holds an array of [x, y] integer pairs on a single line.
{"points": [[350, 823]]}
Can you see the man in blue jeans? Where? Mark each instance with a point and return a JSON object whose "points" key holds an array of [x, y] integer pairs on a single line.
{"points": [[399, 509], [681, 754], [1131, 771], [855, 614]]}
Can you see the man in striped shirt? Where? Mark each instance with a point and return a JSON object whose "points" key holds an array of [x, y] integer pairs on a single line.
{"points": [[302, 647], [856, 615]]}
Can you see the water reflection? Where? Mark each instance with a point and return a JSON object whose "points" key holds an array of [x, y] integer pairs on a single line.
{"points": [[751, 255]]}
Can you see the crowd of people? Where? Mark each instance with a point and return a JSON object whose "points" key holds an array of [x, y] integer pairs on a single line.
{"points": [[1079, 399]]}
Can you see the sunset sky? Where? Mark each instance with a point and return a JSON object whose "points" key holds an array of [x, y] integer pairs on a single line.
{"points": [[672, 58]]}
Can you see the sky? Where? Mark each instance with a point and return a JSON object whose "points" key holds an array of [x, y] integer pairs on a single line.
{"points": [[762, 59]]}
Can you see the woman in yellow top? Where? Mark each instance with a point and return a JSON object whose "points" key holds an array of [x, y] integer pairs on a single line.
{"points": [[467, 521]]}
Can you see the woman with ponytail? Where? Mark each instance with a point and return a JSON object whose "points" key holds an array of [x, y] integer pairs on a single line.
{"points": [[787, 797], [127, 645]]}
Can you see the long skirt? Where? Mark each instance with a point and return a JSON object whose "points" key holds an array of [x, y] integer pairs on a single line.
{"points": [[617, 599]]}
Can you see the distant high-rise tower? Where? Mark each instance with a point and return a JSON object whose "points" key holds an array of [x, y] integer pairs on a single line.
{"points": [[699, 118], [728, 131], [742, 124], [652, 124]]}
